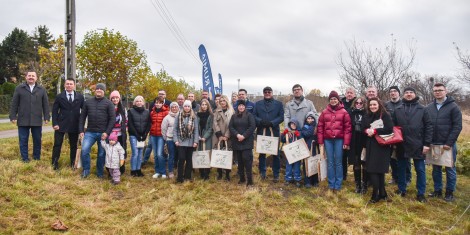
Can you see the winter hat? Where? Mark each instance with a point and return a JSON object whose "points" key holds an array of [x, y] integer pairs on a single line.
{"points": [[113, 137], [333, 94], [101, 86], [174, 104], [115, 94], [410, 89], [267, 89], [394, 88], [241, 102], [187, 103]]}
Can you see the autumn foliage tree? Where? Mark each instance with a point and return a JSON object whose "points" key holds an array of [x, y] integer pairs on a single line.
{"points": [[51, 63]]}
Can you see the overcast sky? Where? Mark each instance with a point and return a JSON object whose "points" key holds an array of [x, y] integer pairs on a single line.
{"points": [[275, 43]]}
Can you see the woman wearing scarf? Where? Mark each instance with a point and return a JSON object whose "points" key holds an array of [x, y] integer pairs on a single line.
{"points": [[186, 137], [222, 116], [167, 132], [357, 113], [120, 124], [205, 117]]}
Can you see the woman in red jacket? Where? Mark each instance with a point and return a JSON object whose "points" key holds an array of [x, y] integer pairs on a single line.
{"points": [[334, 134], [157, 113]]}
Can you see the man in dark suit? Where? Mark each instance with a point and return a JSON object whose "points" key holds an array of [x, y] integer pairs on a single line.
{"points": [[65, 118]]}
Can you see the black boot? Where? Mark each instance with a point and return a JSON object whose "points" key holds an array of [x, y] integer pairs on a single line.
{"points": [[364, 188], [227, 175], [357, 179], [133, 174], [139, 173], [242, 180], [449, 196], [219, 175], [250, 182]]}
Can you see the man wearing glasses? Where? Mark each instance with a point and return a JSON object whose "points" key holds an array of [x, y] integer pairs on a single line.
{"points": [[447, 124], [298, 107], [269, 113]]}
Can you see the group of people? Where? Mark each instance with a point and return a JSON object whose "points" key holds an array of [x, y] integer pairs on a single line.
{"points": [[344, 132]]}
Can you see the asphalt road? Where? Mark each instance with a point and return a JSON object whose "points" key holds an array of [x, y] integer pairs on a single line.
{"points": [[14, 133]]}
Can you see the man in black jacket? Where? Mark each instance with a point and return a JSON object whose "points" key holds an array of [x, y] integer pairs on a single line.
{"points": [[416, 126], [65, 119], [28, 107], [101, 117], [347, 102], [447, 123]]}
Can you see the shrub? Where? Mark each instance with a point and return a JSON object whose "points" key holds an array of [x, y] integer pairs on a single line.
{"points": [[463, 158], [5, 102], [8, 88]]}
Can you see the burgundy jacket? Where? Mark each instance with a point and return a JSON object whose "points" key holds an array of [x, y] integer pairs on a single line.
{"points": [[334, 124]]}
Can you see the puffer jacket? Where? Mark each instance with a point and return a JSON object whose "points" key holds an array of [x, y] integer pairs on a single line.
{"points": [[157, 116], [447, 122], [168, 125], [138, 123], [334, 123], [114, 154], [101, 116]]}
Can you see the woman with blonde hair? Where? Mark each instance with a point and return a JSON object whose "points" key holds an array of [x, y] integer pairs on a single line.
{"points": [[222, 116], [138, 128], [206, 131]]}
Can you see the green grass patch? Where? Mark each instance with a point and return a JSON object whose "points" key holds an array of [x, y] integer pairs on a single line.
{"points": [[7, 126]]}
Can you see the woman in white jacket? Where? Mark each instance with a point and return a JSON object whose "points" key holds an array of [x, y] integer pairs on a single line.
{"points": [[167, 133]]}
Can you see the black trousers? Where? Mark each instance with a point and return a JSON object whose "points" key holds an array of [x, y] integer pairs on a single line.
{"points": [[245, 163], [378, 185], [185, 163], [58, 140], [345, 163]]}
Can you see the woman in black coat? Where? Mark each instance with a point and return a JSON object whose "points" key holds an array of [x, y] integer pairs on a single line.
{"points": [[357, 113], [120, 123], [377, 156], [139, 127], [242, 125]]}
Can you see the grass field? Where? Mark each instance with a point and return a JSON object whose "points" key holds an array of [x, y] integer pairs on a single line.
{"points": [[33, 196], [7, 126]]}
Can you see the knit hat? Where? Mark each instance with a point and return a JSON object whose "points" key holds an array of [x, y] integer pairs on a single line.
{"points": [[101, 86], [113, 137], [333, 94], [174, 104], [115, 94], [187, 103], [394, 88], [241, 102], [410, 89]]}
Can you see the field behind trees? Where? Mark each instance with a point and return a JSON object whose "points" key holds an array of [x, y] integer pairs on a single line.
{"points": [[33, 197]]}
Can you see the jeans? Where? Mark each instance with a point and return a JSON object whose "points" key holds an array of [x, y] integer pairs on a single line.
{"points": [[276, 165], [58, 140], [394, 167], [451, 174], [171, 155], [23, 135], [157, 146], [334, 157], [420, 169], [293, 172], [147, 152], [136, 158], [89, 139]]}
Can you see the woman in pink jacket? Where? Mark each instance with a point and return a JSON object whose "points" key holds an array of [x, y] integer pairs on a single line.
{"points": [[334, 134]]}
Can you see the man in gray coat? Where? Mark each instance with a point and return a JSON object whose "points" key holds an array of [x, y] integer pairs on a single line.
{"points": [[298, 107], [28, 108]]}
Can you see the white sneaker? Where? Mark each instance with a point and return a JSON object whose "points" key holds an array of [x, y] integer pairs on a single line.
{"points": [[156, 176], [163, 176]]}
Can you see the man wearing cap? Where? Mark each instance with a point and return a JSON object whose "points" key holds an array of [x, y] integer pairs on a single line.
{"points": [[391, 105], [268, 113], [101, 117], [29, 108], [416, 126], [65, 119], [242, 95]]}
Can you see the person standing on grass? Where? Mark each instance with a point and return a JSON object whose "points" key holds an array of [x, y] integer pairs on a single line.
{"points": [[447, 123], [157, 113], [186, 137], [139, 127], [289, 135], [242, 95], [371, 92], [114, 157], [347, 102], [195, 106], [167, 133], [120, 124], [377, 156], [242, 126], [308, 133], [334, 134], [269, 113], [222, 116], [357, 113], [65, 115], [416, 127], [29, 107], [205, 119], [205, 95], [298, 107], [101, 118]]}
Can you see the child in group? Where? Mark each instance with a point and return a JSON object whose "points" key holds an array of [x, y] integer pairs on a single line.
{"points": [[292, 170], [310, 137], [114, 157]]}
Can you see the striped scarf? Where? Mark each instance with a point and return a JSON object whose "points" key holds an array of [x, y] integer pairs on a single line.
{"points": [[186, 131]]}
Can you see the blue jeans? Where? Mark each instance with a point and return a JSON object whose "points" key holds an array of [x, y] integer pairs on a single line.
{"points": [[89, 139], [171, 154], [293, 172], [451, 174], [136, 158], [148, 151], [276, 165], [157, 146], [334, 157], [23, 136], [420, 169]]}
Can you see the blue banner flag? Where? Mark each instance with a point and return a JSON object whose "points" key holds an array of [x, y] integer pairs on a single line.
{"points": [[207, 81], [221, 89]]}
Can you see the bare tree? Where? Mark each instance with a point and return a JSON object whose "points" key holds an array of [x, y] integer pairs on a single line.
{"points": [[424, 84], [464, 60], [362, 66]]}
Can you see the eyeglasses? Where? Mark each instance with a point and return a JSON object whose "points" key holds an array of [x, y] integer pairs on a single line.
{"points": [[297, 89], [267, 92], [359, 103], [438, 91], [161, 93]]}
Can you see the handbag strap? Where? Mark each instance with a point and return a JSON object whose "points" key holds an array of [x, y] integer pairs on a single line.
{"points": [[270, 128], [204, 146], [218, 144]]}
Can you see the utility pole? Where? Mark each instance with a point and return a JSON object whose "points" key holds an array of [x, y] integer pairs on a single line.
{"points": [[70, 59]]}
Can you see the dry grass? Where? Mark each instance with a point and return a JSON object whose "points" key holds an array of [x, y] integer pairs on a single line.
{"points": [[33, 196], [7, 126]]}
